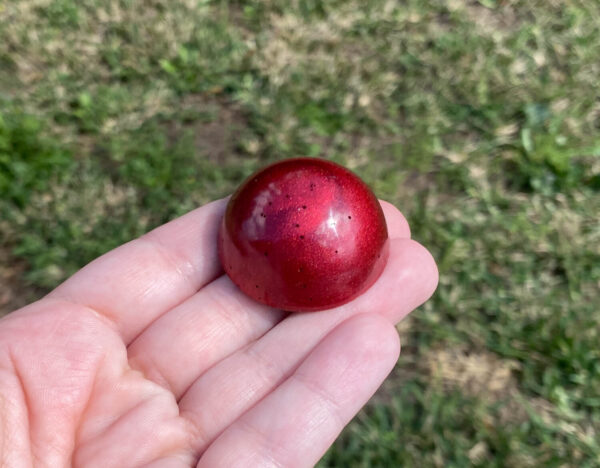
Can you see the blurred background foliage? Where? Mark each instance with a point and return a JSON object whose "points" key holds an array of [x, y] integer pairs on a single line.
{"points": [[480, 120]]}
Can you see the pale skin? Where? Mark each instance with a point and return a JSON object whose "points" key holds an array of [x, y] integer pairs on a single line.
{"points": [[150, 356]]}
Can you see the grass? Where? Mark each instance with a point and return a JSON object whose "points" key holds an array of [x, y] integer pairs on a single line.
{"points": [[479, 119]]}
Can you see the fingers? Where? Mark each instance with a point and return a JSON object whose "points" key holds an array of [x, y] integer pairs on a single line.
{"points": [[294, 425], [181, 344], [135, 283], [201, 331], [396, 222], [230, 388]]}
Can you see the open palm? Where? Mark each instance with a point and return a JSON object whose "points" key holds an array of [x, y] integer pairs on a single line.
{"points": [[149, 356]]}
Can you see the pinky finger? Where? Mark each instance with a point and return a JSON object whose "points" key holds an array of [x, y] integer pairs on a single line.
{"points": [[296, 423]]}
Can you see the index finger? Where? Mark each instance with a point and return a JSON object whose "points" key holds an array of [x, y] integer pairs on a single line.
{"points": [[135, 283]]}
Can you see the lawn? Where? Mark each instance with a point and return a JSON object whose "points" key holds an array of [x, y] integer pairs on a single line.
{"points": [[480, 120]]}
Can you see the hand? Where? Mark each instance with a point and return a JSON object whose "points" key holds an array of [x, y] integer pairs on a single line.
{"points": [[150, 356]]}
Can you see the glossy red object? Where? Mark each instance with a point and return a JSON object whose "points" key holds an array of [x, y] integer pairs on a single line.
{"points": [[303, 234]]}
